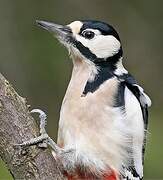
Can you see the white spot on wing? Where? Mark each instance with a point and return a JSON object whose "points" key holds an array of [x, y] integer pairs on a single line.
{"points": [[144, 98]]}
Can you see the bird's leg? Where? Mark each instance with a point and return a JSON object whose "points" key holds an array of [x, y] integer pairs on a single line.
{"points": [[41, 140], [65, 158]]}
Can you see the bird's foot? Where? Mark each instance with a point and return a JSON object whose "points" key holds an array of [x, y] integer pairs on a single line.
{"points": [[43, 140], [65, 158]]}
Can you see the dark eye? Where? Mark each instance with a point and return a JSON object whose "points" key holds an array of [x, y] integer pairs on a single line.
{"points": [[88, 34]]}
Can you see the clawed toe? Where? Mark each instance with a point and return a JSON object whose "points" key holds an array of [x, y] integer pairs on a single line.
{"points": [[43, 140]]}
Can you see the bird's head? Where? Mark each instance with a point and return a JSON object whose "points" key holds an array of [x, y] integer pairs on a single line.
{"points": [[94, 41]]}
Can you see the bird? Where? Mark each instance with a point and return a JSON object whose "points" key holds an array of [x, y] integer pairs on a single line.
{"points": [[104, 114]]}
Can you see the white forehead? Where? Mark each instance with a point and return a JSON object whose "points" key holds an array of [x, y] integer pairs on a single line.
{"points": [[75, 26]]}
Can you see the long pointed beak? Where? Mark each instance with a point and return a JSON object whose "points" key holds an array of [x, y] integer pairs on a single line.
{"points": [[59, 30]]}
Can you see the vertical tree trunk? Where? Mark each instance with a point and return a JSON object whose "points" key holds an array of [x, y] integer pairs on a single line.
{"points": [[17, 126]]}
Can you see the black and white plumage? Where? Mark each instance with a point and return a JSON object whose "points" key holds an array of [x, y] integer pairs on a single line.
{"points": [[104, 115]]}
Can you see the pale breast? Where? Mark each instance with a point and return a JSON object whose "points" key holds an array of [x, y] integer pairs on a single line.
{"points": [[91, 125]]}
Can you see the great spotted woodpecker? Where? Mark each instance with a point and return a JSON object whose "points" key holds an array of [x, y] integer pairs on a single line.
{"points": [[104, 114]]}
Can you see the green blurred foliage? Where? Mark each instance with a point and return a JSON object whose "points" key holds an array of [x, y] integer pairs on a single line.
{"points": [[4, 174], [39, 67]]}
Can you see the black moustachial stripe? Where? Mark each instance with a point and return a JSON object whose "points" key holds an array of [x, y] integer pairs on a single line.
{"points": [[106, 70], [104, 73], [106, 67], [85, 51]]}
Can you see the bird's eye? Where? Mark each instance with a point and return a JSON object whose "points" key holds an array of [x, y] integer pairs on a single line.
{"points": [[88, 34]]}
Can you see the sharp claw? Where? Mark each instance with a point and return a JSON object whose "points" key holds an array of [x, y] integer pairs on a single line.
{"points": [[44, 139], [42, 117]]}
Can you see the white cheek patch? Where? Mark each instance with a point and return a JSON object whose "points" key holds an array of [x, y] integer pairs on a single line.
{"points": [[102, 46]]}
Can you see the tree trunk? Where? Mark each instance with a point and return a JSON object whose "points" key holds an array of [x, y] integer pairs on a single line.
{"points": [[17, 126]]}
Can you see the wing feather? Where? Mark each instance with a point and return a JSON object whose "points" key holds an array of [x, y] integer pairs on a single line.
{"points": [[134, 172]]}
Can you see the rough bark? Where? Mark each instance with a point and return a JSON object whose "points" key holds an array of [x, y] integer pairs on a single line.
{"points": [[17, 126]]}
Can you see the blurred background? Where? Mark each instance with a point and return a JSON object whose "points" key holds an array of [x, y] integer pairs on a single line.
{"points": [[39, 67]]}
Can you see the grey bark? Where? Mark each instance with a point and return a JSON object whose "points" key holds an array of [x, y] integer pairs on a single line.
{"points": [[17, 126]]}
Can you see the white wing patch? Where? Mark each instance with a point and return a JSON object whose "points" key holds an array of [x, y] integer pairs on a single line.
{"points": [[144, 98]]}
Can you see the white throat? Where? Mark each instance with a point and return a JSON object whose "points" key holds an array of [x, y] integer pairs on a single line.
{"points": [[83, 71]]}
